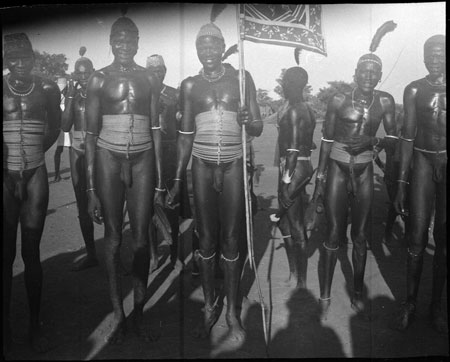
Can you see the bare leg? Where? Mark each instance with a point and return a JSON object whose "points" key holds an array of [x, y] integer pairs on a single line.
{"points": [[57, 159], [336, 210], [11, 209], [440, 260], [111, 194], [32, 218], [78, 174]]}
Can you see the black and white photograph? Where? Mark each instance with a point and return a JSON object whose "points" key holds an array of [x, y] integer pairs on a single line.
{"points": [[237, 181]]}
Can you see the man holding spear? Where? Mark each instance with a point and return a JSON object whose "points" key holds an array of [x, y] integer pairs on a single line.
{"points": [[211, 128]]}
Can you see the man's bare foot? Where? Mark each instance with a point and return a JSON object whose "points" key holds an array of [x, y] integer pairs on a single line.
{"points": [[143, 332], [211, 315], [438, 321], [324, 305], [359, 307], [84, 263], [404, 317], [236, 333], [117, 334], [39, 342]]}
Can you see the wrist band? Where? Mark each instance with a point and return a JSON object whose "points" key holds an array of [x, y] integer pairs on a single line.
{"points": [[158, 189], [292, 150], [403, 181], [326, 140], [186, 132], [157, 127], [389, 136], [92, 133], [407, 139], [91, 189], [177, 179], [69, 97]]}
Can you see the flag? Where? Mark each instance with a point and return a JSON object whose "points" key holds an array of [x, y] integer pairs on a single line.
{"points": [[287, 25]]}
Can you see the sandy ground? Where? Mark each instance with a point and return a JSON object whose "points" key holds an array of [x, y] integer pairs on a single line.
{"points": [[76, 309]]}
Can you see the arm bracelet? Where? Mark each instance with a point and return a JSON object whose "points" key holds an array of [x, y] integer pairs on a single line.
{"points": [[326, 140], [390, 136], [186, 132], [91, 189], [407, 139], [158, 189], [403, 181], [156, 127], [292, 150]]}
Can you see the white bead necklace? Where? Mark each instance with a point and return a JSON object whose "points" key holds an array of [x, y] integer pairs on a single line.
{"points": [[19, 93]]}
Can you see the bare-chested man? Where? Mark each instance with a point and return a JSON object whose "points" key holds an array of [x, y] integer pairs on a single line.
{"points": [[296, 130], [424, 143], [168, 107], [31, 124], [123, 162], [211, 130], [74, 115], [351, 123]]}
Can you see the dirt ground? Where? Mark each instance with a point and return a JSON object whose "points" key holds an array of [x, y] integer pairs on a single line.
{"points": [[76, 309]]}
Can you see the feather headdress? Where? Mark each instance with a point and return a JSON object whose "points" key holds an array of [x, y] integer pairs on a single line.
{"points": [[387, 27], [231, 50], [297, 52]]}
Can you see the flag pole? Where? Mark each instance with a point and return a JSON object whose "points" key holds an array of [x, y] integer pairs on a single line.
{"points": [[248, 216], [248, 210]]}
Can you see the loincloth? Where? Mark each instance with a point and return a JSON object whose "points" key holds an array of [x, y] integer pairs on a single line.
{"points": [[125, 133], [438, 162], [338, 153], [217, 137], [23, 144]]}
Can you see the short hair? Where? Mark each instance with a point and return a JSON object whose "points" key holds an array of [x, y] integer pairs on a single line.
{"points": [[296, 75], [124, 24], [438, 39]]}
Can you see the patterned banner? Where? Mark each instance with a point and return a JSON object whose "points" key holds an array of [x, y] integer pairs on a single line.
{"points": [[286, 25]]}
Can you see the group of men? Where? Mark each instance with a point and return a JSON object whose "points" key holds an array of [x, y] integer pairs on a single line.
{"points": [[126, 136]]}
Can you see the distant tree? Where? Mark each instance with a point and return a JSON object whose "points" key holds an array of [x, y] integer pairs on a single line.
{"points": [[263, 98], [50, 66]]}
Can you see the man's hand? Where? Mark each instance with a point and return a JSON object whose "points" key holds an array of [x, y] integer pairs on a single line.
{"points": [[244, 116], [319, 190], [399, 201], [284, 198], [94, 207], [173, 196], [357, 144], [71, 89]]}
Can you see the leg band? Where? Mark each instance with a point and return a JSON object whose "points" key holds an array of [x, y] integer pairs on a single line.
{"points": [[286, 236], [328, 248], [230, 260], [204, 258]]}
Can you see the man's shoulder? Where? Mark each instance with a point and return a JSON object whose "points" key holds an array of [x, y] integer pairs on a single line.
{"points": [[417, 83], [385, 95]]}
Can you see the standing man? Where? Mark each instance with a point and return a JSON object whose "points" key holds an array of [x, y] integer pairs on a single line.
{"points": [[31, 124], [168, 107], [424, 144], [74, 115], [346, 155], [123, 161], [296, 129], [211, 129]]}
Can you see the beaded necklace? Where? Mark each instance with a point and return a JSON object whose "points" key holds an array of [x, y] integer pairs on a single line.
{"points": [[17, 92], [214, 78]]}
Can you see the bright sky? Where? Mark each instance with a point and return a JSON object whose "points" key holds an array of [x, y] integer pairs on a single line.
{"points": [[170, 30]]}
